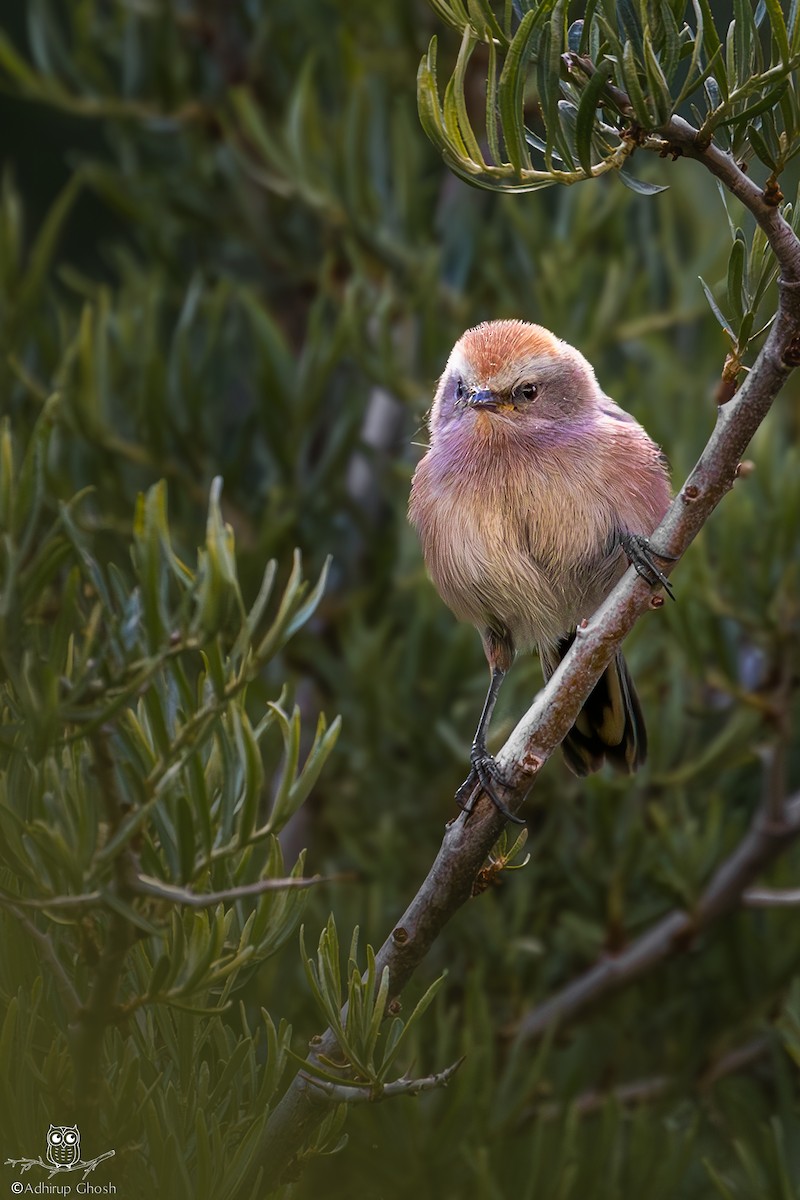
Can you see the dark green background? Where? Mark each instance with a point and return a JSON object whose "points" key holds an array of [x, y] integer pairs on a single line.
{"points": [[276, 310]]}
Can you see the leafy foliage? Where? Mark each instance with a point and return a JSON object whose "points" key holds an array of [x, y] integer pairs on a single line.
{"points": [[132, 788], [740, 90]]}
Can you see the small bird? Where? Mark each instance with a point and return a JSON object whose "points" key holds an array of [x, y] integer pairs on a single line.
{"points": [[536, 492]]}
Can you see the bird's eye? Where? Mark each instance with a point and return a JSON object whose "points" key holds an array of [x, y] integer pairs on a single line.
{"points": [[461, 391], [526, 391], [55, 1138], [69, 1138]]}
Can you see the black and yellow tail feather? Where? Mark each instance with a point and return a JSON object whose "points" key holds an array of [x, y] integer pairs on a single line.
{"points": [[610, 726]]}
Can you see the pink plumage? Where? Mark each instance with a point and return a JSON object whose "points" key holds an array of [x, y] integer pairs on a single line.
{"points": [[534, 487]]}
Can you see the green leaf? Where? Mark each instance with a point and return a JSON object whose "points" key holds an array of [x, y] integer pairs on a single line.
{"points": [[550, 84], [290, 733], [564, 132], [634, 88], [671, 50], [485, 22], [44, 247], [588, 105], [307, 609], [252, 774], [129, 913], [7, 477], [419, 1009], [452, 12], [707, 27], [510, 93], [12, 63], [764, 104], [185, 837], [379, 1002], [630, 24], [454, 99], [233, 1066], [428, 106], [723, 320], [779, 31], [793, 25], [746, 45], [324, 742], [737, 300], [660, 94], [149, 524], [492, 130], [160, 976]]}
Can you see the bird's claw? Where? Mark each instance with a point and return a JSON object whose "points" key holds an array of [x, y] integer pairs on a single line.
{"points": [[642, 558], [483, 776]]}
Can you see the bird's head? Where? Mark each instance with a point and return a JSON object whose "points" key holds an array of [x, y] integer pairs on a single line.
{"points": [[512, 374]]}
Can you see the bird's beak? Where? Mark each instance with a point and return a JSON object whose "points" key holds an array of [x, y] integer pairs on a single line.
{"points": [[483, 399]]}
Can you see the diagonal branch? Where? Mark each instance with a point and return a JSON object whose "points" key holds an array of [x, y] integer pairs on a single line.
{"points": [[64, 985], [643, 1091], [467, 842], [762, 843]]}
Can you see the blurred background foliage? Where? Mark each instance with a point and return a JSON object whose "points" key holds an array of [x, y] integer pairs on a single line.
{"points": [[227, 249]]}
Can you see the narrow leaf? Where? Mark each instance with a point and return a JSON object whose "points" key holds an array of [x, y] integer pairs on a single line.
{"points": [[779, 31], [723, 320], [736, 298], [660, 94], [584, 121], [455, 89], [764, 104], [634, 88], [510, 94]]}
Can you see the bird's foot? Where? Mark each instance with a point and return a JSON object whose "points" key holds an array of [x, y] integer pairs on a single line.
{"points": [[642, 556], [484, 776]]}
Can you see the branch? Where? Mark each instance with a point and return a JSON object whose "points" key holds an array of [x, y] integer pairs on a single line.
{"points": [[64, 985], [771, 897], [146, 885], [467, 842], [643, 1091], [760, 846], [349, 1094]]}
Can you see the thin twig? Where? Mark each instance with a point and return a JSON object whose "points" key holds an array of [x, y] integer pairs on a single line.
{"points": [[146, 885], [734, 1060], [764, 897], [645, 1091], [638, 1091], [62, 903], [66, 989], [347, 1094]]}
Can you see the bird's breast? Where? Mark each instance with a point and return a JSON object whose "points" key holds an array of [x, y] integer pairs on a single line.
{"points": [[502, 543]]}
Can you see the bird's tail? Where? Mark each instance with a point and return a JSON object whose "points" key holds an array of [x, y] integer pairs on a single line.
{"points": [[610, 726]]}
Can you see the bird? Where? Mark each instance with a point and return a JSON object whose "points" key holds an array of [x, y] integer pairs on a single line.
{"points": [[536, 493]]}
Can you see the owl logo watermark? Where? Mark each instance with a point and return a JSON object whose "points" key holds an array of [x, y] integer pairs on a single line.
{"points": [[64, 1145], [63, 1150]]}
